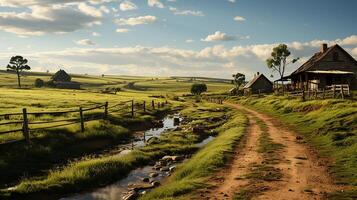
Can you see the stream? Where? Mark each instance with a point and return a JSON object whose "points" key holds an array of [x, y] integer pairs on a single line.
{"points": [[121, 188]]}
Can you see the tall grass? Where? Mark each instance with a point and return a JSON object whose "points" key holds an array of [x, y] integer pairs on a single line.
{"points": [[194, 174]]}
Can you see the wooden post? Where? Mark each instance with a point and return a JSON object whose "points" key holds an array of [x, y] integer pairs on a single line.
{"points": [[132, 108], [334, 91], [166, 101], [25, 126], [342, 93], [81, 118], [315, 94], [158, 104], [303, 95], [106, 110], [153, 104], [144, 106], [259, 93], [144, 136], [323, 93]]}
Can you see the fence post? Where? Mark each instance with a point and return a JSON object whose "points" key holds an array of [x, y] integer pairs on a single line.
{"points": [[153, 104], [334, 91], [132, 108], [25, 126], [259, 93], [323, 93], [144, 136], [106, 110], [166, 101], [158, 104], [342, 93], [303, 95], [81, 118], [144, 106]]}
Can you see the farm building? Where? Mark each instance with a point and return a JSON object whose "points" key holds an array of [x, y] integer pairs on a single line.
{"points": [[63, 80], [259, 84], [330, 67]]}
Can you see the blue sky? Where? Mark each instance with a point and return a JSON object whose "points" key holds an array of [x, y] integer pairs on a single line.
{"points": [[170, 37]]}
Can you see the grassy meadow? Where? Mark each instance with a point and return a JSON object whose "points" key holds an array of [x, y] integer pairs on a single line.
{"points": [[44, 166]]}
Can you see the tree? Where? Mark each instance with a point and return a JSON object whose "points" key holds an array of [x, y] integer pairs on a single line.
{"points": [[278, 60], [239, 79], [39, 83], [198, 88], [18, 64]]}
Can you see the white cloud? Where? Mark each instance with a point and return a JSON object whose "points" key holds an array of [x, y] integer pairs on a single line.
{"points": [[127, 5], [354, 52], [90, 10], [239, 18], [186, 12], [48, 19], [220, 36], [155, 3], [85, 42], [133, 21], [122, 30], [232, 1], [189, 41], [95, 34]]}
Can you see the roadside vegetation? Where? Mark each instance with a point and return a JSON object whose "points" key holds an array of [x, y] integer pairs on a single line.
{"points": [[329, 125], [194, 174]]}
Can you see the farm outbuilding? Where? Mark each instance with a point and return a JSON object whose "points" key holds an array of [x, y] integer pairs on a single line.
{"points": [[331, 66], [63, 80], [259, 84]]}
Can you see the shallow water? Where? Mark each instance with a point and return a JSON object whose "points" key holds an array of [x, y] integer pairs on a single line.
{"points": [[117, 190]]}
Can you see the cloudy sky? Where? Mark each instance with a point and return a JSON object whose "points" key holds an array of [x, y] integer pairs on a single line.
{"points": [[170, 37]]}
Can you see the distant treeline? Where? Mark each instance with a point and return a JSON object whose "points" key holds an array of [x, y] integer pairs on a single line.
{"points": [[203, 79]]}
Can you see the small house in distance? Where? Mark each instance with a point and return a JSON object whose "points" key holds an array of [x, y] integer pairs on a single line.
{"points": [[259, 84], [326, 68], [63, 80]]}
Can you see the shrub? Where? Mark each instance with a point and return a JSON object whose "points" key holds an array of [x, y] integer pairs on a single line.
{"points": [[198, 88], [39, 83]]}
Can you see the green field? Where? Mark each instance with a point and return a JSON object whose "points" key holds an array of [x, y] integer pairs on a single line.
{"points": [[44, 166]]}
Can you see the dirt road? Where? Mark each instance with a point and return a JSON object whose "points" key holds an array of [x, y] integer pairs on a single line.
{"points": [[303, 175]]}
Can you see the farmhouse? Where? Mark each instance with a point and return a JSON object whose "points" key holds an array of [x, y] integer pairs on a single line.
{"points": [[259, 84], [63, 80], [330, 67]]}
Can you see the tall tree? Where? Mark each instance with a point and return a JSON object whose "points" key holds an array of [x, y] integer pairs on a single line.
{"points": [[18, 64], [238, 79], [278, 60]]}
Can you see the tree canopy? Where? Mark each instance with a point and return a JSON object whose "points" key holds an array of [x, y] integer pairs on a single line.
{"points": [[238, 79], [18, 64], [198, 88]]}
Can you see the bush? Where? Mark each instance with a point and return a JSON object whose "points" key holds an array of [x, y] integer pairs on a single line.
{"points": [[198, 88], [50, 84], [39, 83]]}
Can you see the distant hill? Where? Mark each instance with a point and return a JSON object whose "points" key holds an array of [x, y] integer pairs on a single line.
{"points": [[209, 79]]}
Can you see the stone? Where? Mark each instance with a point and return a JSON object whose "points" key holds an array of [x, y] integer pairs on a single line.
{"points": [[155, 183], [132, 195], [146, 179], [165, 169], [153, 174], [171, 169]]}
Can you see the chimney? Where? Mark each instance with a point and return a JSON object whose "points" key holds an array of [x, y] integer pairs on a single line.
{"points": [[258, 73], [323, 48]]}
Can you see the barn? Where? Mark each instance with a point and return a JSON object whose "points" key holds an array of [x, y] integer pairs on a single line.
{"points": [[63, 80], [259, 84], [329, 67]]}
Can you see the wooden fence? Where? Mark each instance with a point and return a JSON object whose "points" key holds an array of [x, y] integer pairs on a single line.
{"points": [[102, 112], [334, 91]]}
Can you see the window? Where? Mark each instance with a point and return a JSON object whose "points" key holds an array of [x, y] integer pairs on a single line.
{"points": [[335, 56]]}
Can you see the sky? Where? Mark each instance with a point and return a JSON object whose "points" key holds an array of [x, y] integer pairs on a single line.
{"points": [[211, 38]]}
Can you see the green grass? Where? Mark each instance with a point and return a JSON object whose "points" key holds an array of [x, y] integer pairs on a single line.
{"points": [[194, 174], [92, 172], [330, 125]]}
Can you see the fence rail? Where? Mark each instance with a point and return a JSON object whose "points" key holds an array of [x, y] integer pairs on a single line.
{"points": [[130, 107], [334, 91]]}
